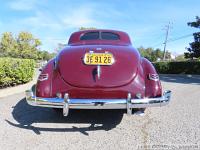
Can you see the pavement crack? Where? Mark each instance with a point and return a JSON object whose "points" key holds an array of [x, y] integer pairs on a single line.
{"points": [[144, 129]]}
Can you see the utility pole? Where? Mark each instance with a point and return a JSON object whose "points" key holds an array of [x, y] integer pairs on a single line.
{"points": [[167, 27]]}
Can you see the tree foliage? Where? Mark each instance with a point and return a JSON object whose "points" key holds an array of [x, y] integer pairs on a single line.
{"points": [[27, 45], [8, 45], [24, 45], [87, 28], [15, 71], [194, 49], [45, 55], [180, 58], [153, 55], [178, 67]]}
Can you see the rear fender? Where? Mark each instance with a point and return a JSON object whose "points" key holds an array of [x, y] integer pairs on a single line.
{"points": [[152, 87], [44, 82]]}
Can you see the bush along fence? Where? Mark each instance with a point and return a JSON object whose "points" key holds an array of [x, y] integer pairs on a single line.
{"points": [[184, 67], [14, 71]]}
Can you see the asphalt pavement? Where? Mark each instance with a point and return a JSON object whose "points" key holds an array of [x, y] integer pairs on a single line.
{"points": [[176, 126]]}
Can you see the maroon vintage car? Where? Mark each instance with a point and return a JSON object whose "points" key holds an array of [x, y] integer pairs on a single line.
{"points": [[98, 69]]}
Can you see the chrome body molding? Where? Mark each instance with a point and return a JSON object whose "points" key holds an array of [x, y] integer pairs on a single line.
{"points": [[98, 71], [66, 103]]}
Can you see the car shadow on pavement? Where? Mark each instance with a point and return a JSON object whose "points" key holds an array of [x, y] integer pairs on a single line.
{"points": [[184, 79], [27, 115]]}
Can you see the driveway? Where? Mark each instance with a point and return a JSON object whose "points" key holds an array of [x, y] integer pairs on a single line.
{"points": [[176, 126]]}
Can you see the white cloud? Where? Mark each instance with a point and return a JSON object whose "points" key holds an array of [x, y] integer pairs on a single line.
{"points": [[42, 20], [82, 16], [52, 26]]}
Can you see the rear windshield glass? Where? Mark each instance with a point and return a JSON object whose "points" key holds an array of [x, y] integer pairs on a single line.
{"points": [[98, 35], [109, 36], [90, 36]]}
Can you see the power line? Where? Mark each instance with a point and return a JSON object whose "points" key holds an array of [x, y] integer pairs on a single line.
{"points": [[175, 39], [158, 44], [179, 38]]}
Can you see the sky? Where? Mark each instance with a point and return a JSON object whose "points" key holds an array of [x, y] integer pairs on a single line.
{"points": [[145, 21]]}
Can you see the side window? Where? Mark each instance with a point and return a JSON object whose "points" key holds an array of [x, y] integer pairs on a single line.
{"points": [[90, 36], [109, 36]]}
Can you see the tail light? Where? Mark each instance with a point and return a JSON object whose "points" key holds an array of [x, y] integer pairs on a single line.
{"points": [[43, 77], [154, 77]]}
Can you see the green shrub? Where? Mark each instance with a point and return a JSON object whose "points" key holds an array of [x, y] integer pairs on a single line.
{"points": [[15, 71], [184, 67]]}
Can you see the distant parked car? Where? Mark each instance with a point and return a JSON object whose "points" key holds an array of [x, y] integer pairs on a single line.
{"points": [[98, 69]]}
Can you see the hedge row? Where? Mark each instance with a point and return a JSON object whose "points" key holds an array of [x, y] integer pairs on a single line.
{"points": [[184, 67], [15, 71]]}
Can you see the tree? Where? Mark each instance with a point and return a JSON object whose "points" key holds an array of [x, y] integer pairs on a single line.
{"points": [[24, 45], [87, 28], [28, 45], [8, 45], [45, 55], [194, 49], [153, 55], [180, 58]]}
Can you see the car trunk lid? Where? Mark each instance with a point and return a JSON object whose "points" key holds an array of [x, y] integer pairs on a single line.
{"points": [[75, 72]]}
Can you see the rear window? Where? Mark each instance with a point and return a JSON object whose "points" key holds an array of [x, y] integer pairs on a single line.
{"points": [[109, 36], [90, 36], [100, 35]]}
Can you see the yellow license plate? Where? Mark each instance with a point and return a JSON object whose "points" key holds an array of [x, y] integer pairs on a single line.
{"points": [[98, 59]]}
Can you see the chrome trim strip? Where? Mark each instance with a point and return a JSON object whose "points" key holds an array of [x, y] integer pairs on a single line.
{"points": [[68, 103], [98, 71]]}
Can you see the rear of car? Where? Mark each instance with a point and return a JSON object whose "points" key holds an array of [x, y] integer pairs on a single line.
{"points": [[99, 69]]}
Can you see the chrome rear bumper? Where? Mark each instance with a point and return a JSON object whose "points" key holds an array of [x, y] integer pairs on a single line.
{"points": [[66, 103]]}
